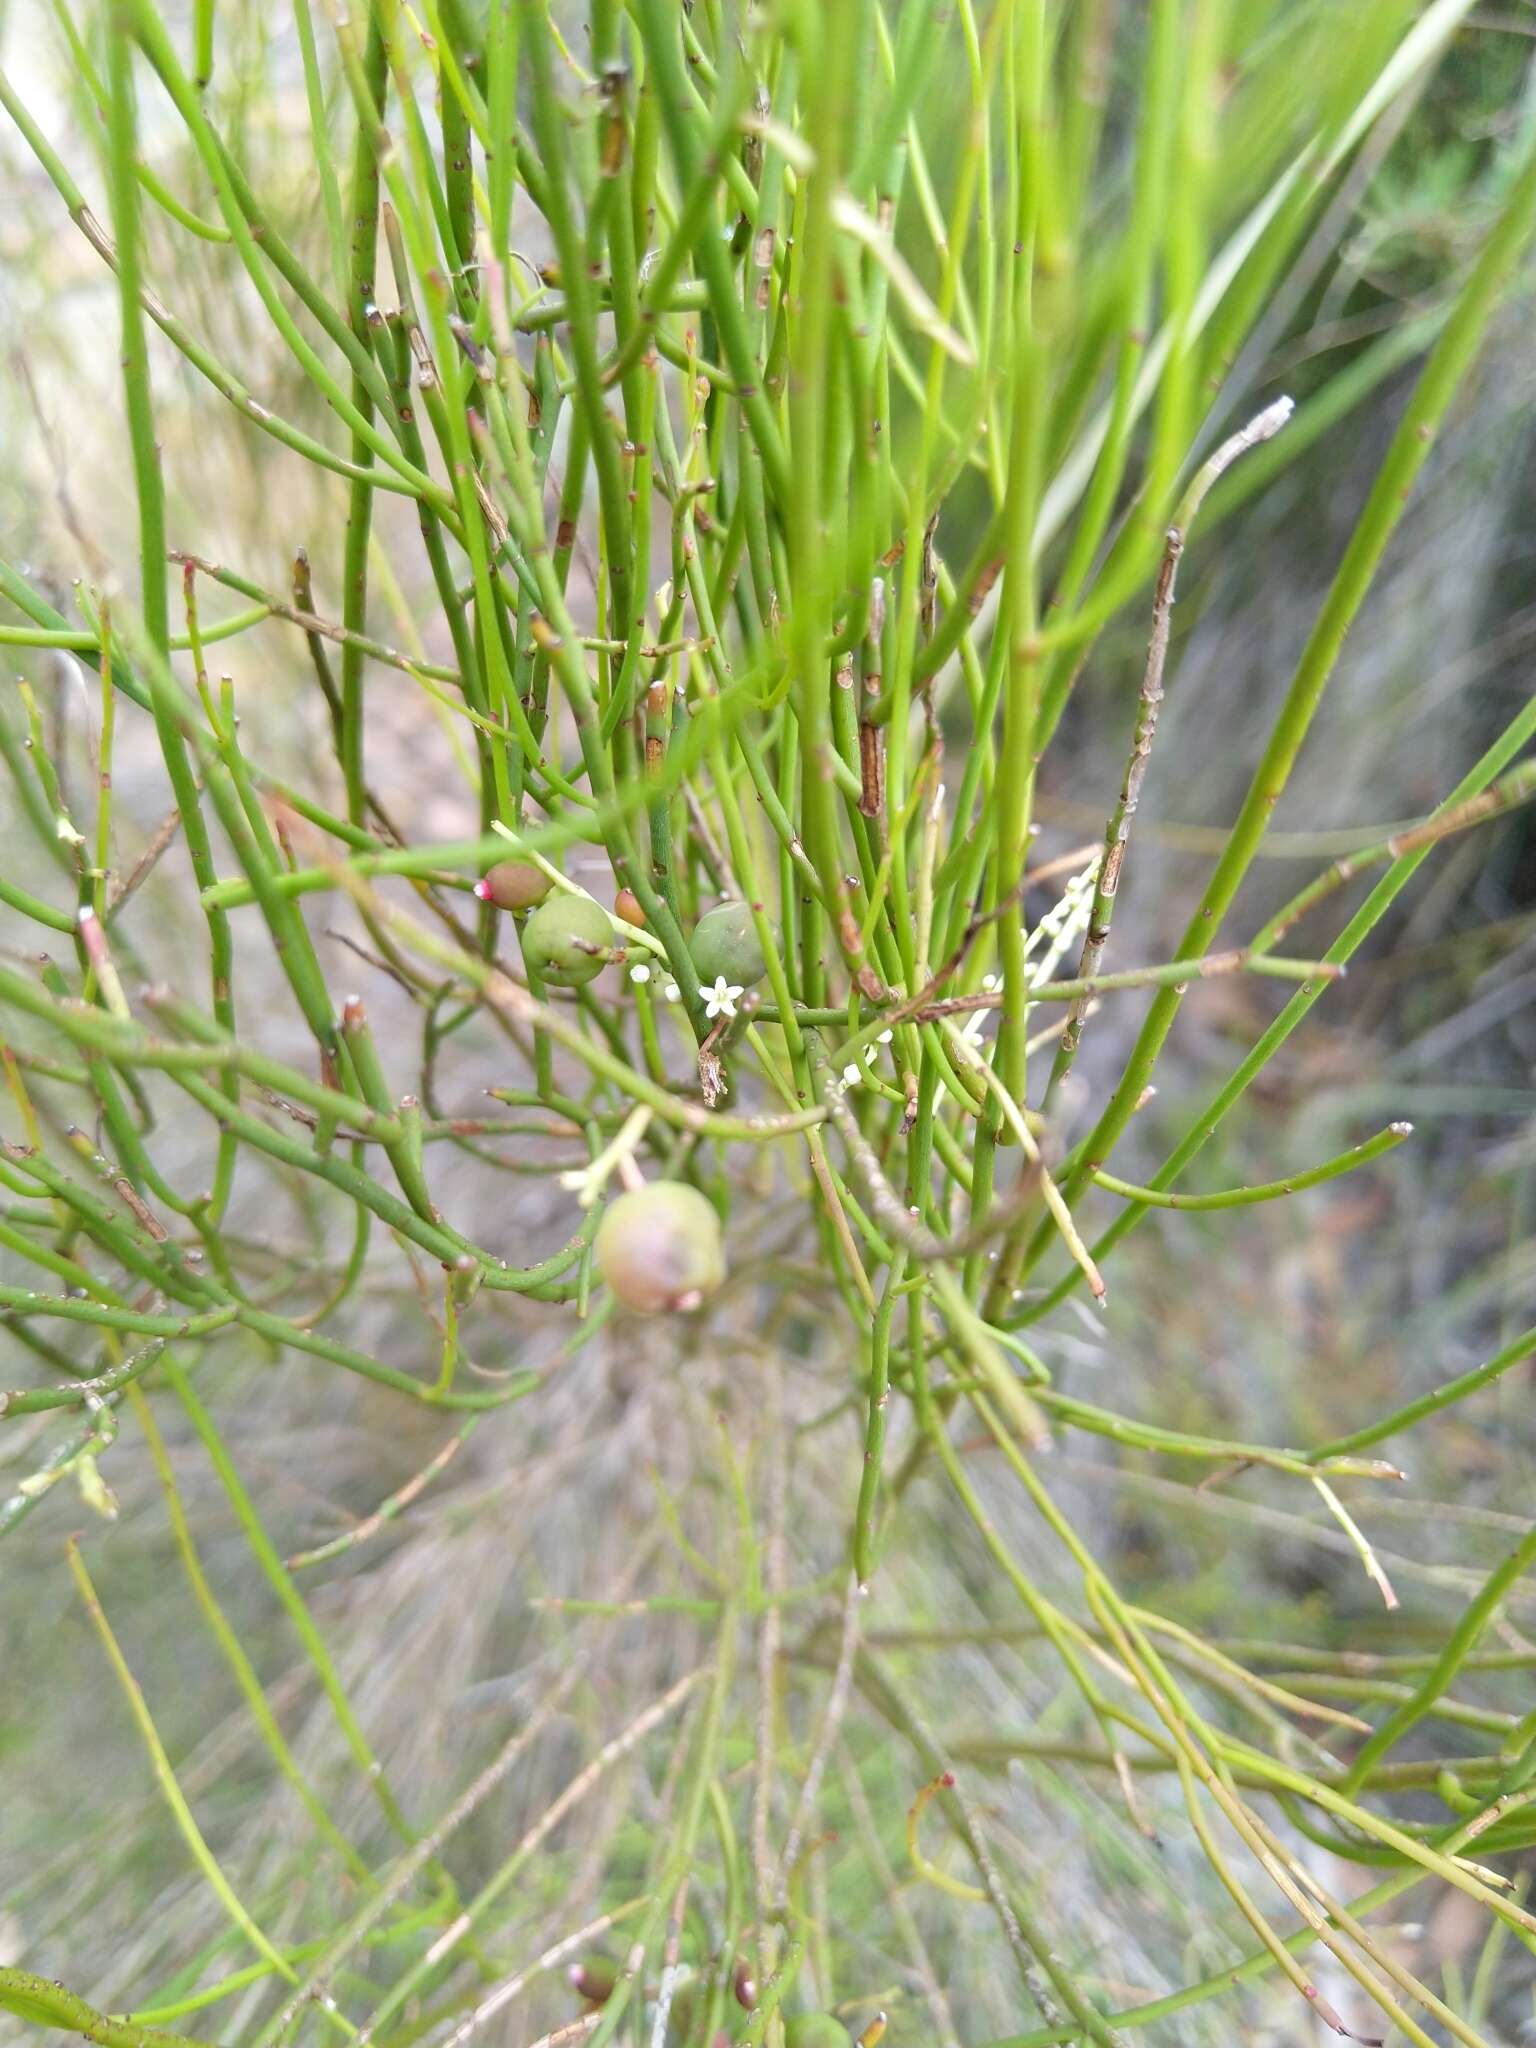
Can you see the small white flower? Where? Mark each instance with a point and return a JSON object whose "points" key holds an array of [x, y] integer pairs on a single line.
{"points": [[671, 992], [1064, 923], [990, 984], [851, 1077], [871, 1054], [884, 1038], [639, 972], [974, 1027], [720, 1001]]}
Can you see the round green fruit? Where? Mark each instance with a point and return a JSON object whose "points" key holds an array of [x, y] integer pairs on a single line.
{"points": [[683, 2011], [659, 1248], [725, 945], [815, 2030], [513, 885], [567, 940]]}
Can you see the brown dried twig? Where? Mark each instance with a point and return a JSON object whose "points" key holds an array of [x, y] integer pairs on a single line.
{"points": [[1118, 831]]}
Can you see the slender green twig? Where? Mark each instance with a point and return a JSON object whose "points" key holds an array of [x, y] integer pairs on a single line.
{"points": [[47, 2004]]}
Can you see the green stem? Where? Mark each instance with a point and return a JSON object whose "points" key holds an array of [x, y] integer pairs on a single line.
{"points": [[47, 2004]]}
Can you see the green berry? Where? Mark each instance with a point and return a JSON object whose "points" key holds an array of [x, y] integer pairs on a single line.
{"points": [[815, 2030], [567, 940], [513, 885], [659, 1248], [725, 943], [683, 2012]]}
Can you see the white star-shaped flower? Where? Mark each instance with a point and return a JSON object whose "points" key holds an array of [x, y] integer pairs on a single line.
{"points": [[639, 972], [720, 1001]]}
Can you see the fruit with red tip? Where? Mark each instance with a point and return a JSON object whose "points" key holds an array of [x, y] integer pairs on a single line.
{"points": [[725, 946], [594, 1977], [567, 940], [513, 885], [628, 906], [659, 1248]]}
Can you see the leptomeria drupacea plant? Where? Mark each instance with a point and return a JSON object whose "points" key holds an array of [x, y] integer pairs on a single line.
{"points": [[782, 440]]}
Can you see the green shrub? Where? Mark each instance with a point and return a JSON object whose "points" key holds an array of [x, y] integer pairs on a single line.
{"points": [[729, 434]]}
